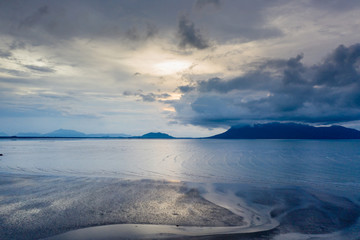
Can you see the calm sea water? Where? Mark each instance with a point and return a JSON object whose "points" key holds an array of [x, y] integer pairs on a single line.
{"points": [[231, 161]]}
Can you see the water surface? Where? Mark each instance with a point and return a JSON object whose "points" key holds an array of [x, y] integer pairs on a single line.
{"points": [[231, 161], [302, 189]]}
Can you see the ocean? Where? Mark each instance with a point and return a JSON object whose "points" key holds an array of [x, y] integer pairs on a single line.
{"points": [[295, 189]]}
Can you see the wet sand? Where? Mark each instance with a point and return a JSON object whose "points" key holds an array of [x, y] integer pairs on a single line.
{"points": [[33, 207], [54, 207]]}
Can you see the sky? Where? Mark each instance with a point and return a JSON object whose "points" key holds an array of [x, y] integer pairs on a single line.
{"points": [[190, 68]]}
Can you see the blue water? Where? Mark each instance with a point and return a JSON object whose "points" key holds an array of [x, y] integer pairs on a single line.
{"points": [[234, 161]]}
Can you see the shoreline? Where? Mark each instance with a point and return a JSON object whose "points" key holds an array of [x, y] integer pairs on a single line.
{"points": [[55, 207], [151, 231], [44, 206]]}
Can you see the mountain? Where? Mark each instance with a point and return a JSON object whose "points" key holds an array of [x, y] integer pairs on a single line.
{"points": [[64, 133], [156, 135], [288, 131], [72, 133], [2, 134], [108, 135], [28, 134]]}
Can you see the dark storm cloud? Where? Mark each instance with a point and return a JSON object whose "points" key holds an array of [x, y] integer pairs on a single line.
{"points": [[189, 35], [41, 22], [254, 80], [340, 68], [40, 69], [280, 90], [199, 4]]}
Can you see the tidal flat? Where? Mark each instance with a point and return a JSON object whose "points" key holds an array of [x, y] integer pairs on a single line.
{"points": [[55, 207]]}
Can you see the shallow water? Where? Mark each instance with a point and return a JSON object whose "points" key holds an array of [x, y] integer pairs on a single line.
{"points": [[260, 180]]}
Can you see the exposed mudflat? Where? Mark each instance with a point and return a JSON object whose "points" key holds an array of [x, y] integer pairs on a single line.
{"points": [[36, 207]]}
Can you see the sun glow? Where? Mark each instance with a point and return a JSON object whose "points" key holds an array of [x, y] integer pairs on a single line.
{"points": [[169, 109], [169, 67]]}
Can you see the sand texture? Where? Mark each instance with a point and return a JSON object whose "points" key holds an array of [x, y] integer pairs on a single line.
{"points": [[60, 208]]}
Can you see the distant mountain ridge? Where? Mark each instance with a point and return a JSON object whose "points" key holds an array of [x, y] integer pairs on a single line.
{"points": [[66, 133], [28, 134], [288, 131], [258, 131]]}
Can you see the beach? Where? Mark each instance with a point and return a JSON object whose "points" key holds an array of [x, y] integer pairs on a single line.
{"points": [[63, 207], [34, 207]]}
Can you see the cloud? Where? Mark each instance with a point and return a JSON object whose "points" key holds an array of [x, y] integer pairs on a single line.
{"points": [[151, 30], [148, 97], [200, 4], [340, 68], [136, 34], [34, 18], [279, 90], [186, 89], [36, 23], [17, 45], [335, 5], [189, 35], [40, 69], [127, 93], [15, 73], [5, 54]]}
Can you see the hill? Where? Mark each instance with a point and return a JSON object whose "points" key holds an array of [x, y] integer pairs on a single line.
{"points": [[64, 133], [28, 134], [288, 131], [157, 135]]}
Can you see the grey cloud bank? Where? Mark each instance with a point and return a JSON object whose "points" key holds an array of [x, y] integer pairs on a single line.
{"points": [[280, 90], [199, 4], [189, 35]]}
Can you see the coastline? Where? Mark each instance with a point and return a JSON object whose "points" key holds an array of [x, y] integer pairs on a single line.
{"points": [[65, 207], [42, 206]]}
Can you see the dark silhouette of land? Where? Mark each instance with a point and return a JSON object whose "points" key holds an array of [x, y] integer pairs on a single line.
{"points": [[257, 131], [157, 135], [288, 131]]}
